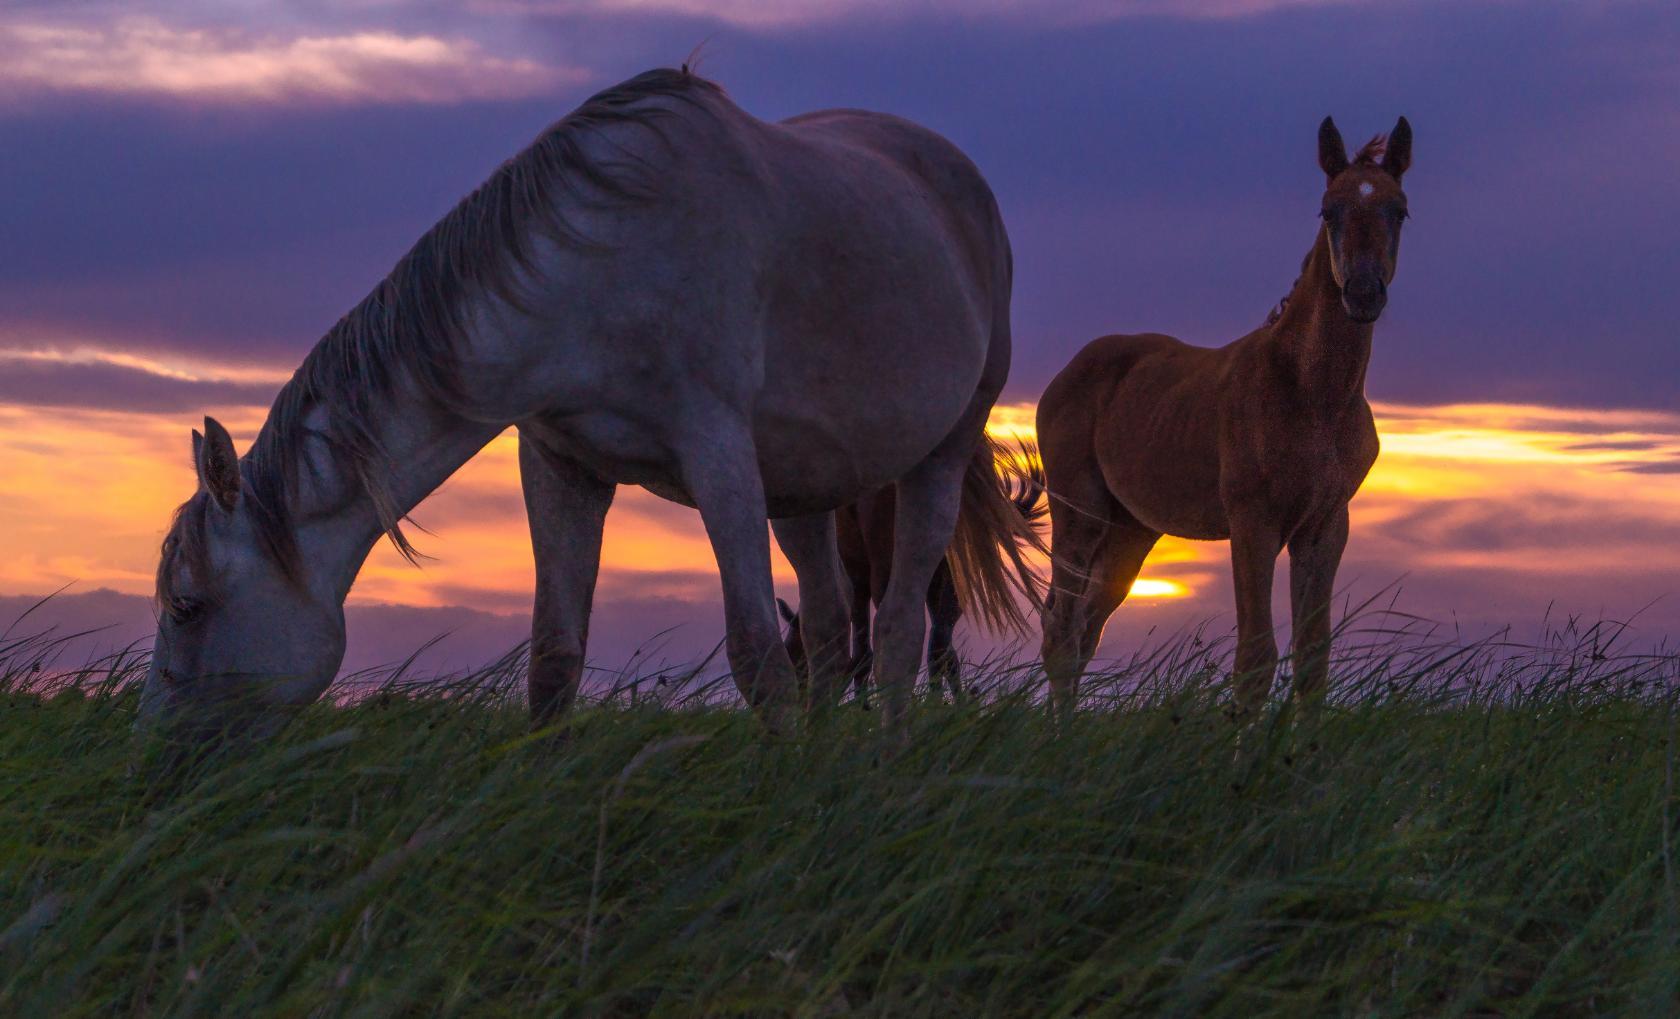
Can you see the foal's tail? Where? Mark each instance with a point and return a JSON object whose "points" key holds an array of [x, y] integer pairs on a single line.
{"points": [[997, 520]]}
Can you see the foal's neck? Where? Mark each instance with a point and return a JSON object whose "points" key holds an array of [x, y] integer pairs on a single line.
{"points": [[1326, 350]]}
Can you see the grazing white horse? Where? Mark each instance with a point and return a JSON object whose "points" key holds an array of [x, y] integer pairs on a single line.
{"points": [[754, 319]]}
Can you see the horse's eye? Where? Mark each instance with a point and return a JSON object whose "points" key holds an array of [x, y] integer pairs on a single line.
{"points": [[186, 612]]}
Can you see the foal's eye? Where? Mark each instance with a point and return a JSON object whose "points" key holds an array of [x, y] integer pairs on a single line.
{"points": [[186, 612]]}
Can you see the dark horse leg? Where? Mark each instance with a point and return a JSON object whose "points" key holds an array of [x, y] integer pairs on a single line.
{"points": [[858, 566], [943, 612], [862, 656]]}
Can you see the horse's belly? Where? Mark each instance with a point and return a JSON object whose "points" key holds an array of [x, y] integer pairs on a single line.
{"points": [[815, 457], [1181, 511], [1159, 457]]}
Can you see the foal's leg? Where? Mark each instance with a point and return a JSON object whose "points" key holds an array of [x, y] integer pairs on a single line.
{"points": [[808, 543], [566, 506], [943, 612], [1314, 555], [721, 474], [1254, 551], [1082, 516], [923, 525]]}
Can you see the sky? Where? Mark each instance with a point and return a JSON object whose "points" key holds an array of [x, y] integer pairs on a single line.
{"points": [[195, 192]]}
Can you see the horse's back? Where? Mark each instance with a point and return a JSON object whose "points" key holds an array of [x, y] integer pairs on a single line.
{"points": [[892, 319], [840, 281], [1095, 375]]}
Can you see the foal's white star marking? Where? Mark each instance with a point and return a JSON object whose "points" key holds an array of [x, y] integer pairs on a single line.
{"points": [[1365, 190]]}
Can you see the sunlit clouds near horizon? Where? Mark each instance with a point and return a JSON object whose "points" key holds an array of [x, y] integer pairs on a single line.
{"points": [[1486, 507]]}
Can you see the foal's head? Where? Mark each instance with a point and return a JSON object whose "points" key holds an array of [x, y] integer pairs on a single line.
{"points": [[1363, 209]]}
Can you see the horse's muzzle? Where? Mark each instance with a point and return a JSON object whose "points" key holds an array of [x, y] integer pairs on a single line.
{"points": [[1364, 297]]}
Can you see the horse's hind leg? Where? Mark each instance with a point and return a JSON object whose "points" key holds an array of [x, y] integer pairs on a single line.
{"points": [[944, 610], [924, 523], [720, 471], [1097, 548], [808, 542], [566, 506], [1089, 584]]}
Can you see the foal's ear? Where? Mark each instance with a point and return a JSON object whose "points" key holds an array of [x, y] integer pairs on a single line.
{"points": [[1398, 158], [1332, 154], [218, 464], [787, 611]]}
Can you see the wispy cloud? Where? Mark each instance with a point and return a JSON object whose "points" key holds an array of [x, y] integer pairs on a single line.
{"points": [[153, 58], [784, 14], [106, 380]]}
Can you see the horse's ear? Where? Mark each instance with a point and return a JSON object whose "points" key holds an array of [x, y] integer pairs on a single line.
{"points": [[1332, 154], [218, 464], [788, 614], [1398, 158]]}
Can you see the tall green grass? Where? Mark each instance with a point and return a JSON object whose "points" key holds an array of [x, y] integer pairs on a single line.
{"points": [[1482, 831]]}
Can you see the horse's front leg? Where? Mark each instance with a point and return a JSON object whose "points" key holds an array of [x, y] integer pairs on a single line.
{"points": [[1254, 550], [566, 507], [825, 629], [720, 471], [1314, 555]]}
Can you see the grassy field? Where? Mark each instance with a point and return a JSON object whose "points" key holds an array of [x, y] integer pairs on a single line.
{"points": [[1479, 833]]}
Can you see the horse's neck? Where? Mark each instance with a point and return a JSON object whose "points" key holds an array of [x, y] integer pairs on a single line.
{"points": [[337, 517], [1326, 350]]}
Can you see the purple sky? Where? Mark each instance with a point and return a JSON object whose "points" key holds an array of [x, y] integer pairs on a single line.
{"points": [[1156, 171]]}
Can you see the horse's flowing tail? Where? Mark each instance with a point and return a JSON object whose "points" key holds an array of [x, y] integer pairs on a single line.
{"points": [[997, 520]]}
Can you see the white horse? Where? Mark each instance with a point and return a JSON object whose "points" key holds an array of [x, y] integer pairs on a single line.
{"points": [[754, 319]]}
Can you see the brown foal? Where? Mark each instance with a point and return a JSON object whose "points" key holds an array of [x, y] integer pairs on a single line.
{"points": [[1262, 441]]}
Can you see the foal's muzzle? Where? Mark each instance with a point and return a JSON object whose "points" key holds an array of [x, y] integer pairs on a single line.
{"points": [[1364, 297]]}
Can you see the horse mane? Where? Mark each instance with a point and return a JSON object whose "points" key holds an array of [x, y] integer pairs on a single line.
{"points": [[1370, 152], [411, 322], [1283, 302]]}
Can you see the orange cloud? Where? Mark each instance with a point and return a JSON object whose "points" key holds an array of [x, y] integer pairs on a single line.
{"points": [[1576, 500], [143, 56]]}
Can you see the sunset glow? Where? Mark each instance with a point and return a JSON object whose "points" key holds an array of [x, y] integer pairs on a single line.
{"points": [[1494, 488]]}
